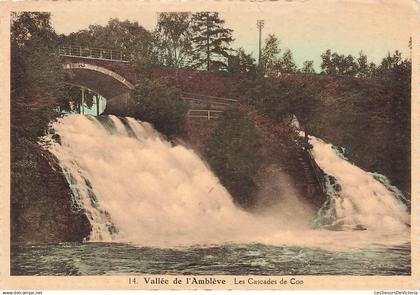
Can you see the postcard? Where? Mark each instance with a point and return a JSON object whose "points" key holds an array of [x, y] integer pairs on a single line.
{"points": [[261, 145]]}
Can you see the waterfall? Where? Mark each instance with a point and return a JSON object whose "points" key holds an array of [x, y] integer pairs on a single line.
{"points": [[135, 185], [138, 188], [357, 199]]}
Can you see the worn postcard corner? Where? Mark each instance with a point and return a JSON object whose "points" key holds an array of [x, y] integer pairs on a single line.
{"points": [[209, 145]]}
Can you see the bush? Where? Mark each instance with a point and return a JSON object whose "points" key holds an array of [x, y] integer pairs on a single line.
{"points": [[233, 152], [160, 105]]}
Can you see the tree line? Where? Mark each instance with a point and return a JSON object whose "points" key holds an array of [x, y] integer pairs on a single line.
{"points": [[181, 40], [201, 41]]}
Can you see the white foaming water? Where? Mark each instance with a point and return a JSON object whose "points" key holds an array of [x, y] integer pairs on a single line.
{"points": [[138, 188], [361, 200]]}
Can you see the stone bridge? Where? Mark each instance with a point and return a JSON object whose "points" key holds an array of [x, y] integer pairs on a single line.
{"points": [[106, 72], [110, 74]]}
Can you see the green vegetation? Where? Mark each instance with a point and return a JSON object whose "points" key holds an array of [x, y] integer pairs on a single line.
{"points": [[211, 41], [173, 39], [308, 67], [287, 63], [234, 154], [161, 105], [375, 118], [340, 65], [36, 76], [197, 41], [283, 98], [270, 52], [40, 204], [242, 64], [135, 41], [365, 109], [272, 62]]}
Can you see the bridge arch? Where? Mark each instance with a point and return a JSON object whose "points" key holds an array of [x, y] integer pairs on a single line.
{"points": [[115, 88], [99, 69]]}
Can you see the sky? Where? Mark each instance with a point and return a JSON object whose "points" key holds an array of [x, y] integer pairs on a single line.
{"points": [[307, 27]]}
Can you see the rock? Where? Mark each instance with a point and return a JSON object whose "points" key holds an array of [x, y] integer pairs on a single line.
{"points": [[57, 138], [41, 208]]}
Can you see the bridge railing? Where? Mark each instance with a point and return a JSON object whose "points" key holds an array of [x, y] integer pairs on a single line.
{"points": [[204, 114], [208, 98], [198, 101], [93, 53]]}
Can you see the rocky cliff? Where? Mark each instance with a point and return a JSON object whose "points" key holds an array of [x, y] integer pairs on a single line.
{"points": [[41, 209]]}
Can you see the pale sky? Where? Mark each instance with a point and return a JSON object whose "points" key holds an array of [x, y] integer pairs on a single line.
{"points": [[307, 27]]}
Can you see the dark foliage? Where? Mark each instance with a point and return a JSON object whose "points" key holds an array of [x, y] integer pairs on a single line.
{"points": [[40, 202], [211, 41], [233, 152], [160, 105], [173, 39], [135, 42], [369, 116]]}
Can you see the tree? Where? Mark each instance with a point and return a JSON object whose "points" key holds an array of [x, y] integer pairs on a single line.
{"points": [[348, 66], [36, 74], [392, 64], [308, 67], [270, 52], [338, 64], [233, 152], [133, 40], [160, 105], [286, 63], [32, 38], [210, 41], [306, 104], [394, 73], [173, 36], [326, 63], [125, 35], [290, 95], [363, 70], [242, 63], [372, 69], [28, 26]]}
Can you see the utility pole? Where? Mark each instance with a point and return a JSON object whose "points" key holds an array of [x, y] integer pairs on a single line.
{"points": [[208, 40], [410, 45], [260, 26]]}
